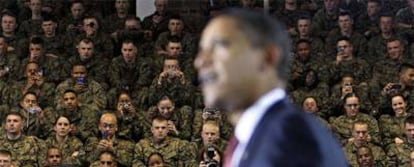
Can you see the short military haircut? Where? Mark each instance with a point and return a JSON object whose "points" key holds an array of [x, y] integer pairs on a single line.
{"points": [[15, 113], [345, 13], [129, 41], [48, 17], [8, 13], [85, 40], [404, 67], [303, 41], [393, 39], [363, 147], [158, 118], [264, 31], [344, 39], [175, 17], [70, 91], [5, 152], [409, 120], [29, 93], [37, 41], [359, 122]]}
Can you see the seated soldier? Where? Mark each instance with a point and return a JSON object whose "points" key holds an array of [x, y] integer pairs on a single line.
{"points": [[38, 120], [310, 105], [53, 157], [210, 156], [360, 138], [24, 148], [404, 86], [133, 123], [342, 125], [179, 119], [175, 151], [72, 151], [130, 71], [84, 119], [88, 90], [211, 114], [106, 159], [156, 160], [390, 124], [172, 81], [9, 62], [108, 141], [399, 154], [210, 136], [6, 159], [35, 82], [365, 157]]}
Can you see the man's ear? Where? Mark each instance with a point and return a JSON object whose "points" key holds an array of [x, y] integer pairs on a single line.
{"points": [[272, 56]]}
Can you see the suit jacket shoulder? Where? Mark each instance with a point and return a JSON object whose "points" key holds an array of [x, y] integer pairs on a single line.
{"points": [[288, 137]]}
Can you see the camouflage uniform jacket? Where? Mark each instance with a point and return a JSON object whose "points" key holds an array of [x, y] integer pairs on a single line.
{"points": [[391, 127], [378, 153], [358, 41], [36, 126], [11, 62], [176, 152], [342, 125], [399, 154], [182, 119], [25, 150], [123, 150], [85, 119], [92, 95], [72, 145]]}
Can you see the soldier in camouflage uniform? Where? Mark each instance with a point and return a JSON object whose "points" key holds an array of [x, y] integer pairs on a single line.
{"points": [[359, 42], [174, 49], [392, 127], [405, 20], [24, 148], [47, 64], [133, 122], [89, 91], [87, 56], [116, 21], [38, 120], [173, 82], [310, 85], [342, 125], [176, 152], [157, 22], [310, 105], [107, 159], [92, 29], [365, 157], [386, 69], [54, 42], [72, 24], [179, 119], [175, 30], [210, 135], [360, 137], [377, 45], [108, 141], [9, 62], [326, 19], [8, 30], [33, 25], [72, 151], [367, 22], [346, 62], [211, 114], [398, 154], [403, 86], [305, 59], [130, 72], [53, 157], [83, 117], [35, 82], [303, 26]]}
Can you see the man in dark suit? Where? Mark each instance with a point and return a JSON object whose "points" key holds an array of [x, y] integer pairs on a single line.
{"points": [[243, 64]]}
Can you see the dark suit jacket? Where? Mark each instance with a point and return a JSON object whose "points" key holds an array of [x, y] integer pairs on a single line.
{"points": [[288, 137]]}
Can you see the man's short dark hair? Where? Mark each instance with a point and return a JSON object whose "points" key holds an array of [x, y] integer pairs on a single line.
{"points": [[264, 31], [404, 67], [70, 91], [302, 41], [5, 152], [37, 41], [48, 17], [409, 120]]}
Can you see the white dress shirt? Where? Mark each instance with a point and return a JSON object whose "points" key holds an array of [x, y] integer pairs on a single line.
{"points": [[251, 118]]}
